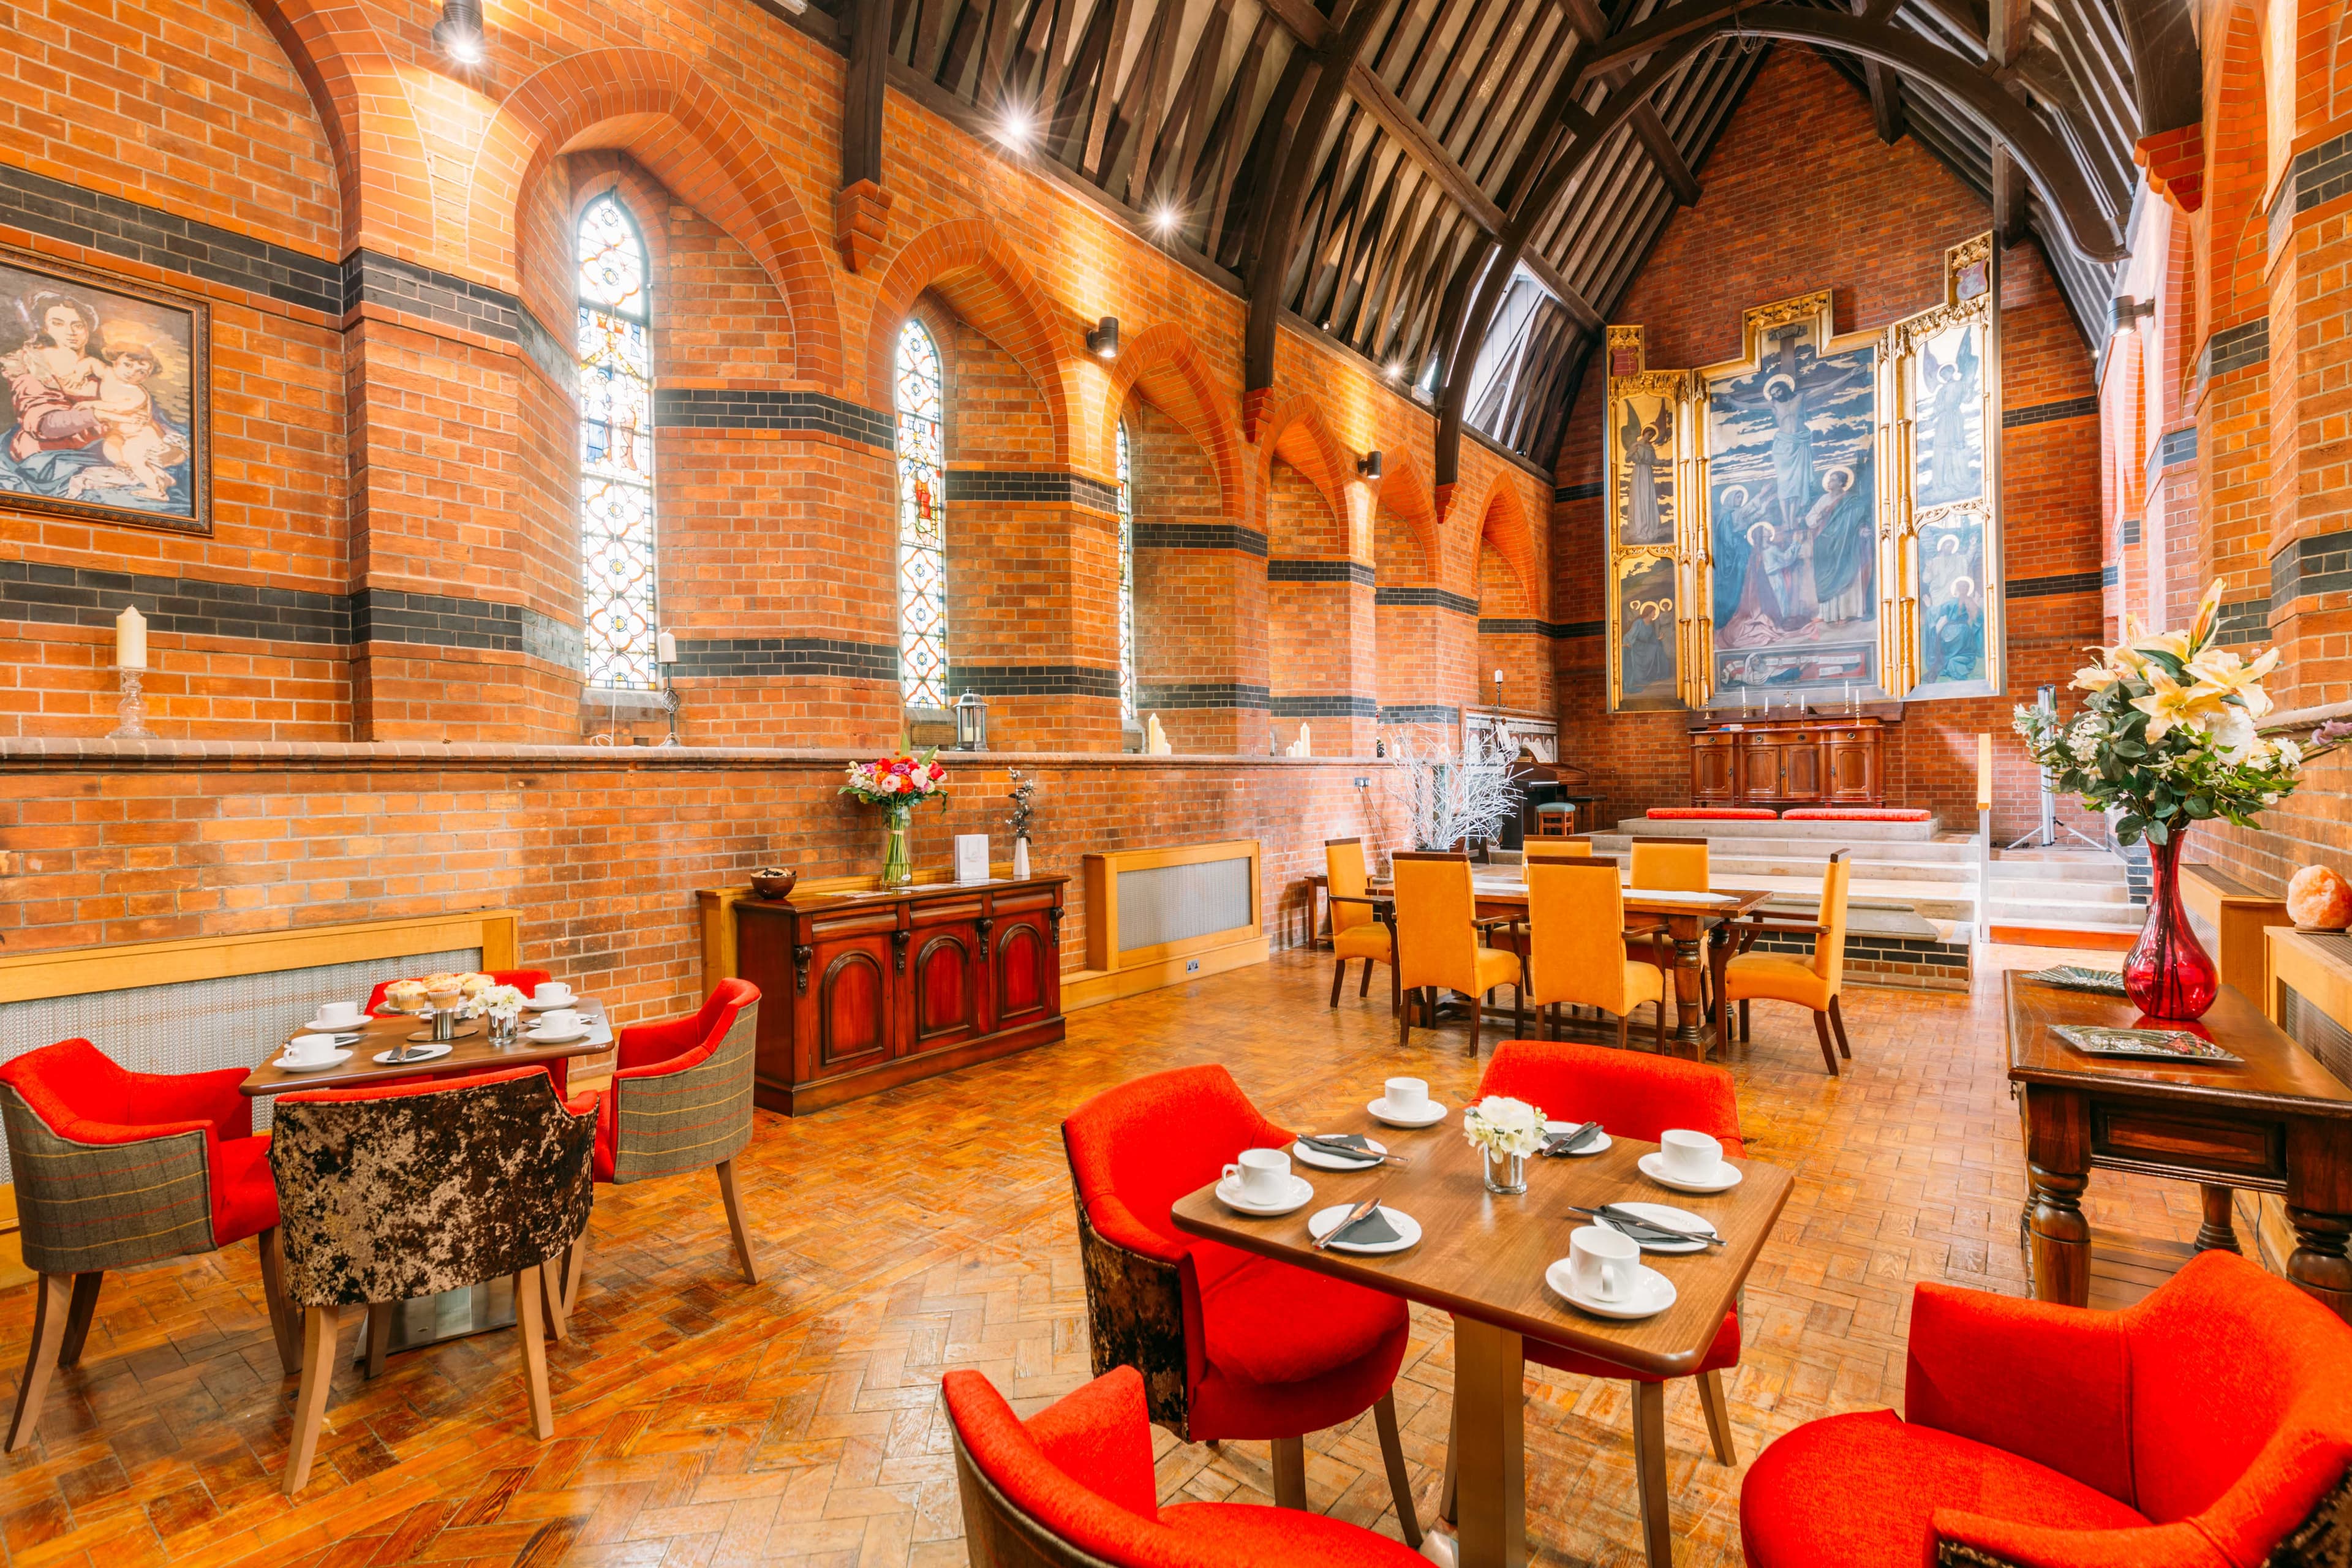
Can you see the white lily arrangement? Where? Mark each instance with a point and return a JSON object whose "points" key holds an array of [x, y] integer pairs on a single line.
{"points": [[2168, 732], [1499, 1126], [503, 1003]]}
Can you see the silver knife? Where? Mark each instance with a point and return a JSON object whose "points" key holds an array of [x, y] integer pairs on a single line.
{"points": [[1617, 1217], [1354, 1215], [1567, 1143], [1350, 1151]]}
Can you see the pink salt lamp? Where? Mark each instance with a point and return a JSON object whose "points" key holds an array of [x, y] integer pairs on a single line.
{"points": [[2319, 900]]}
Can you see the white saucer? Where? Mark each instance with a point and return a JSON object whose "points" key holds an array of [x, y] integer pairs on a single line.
{"points": [[1408, 1230], [1229, 1193], [1667, 1215], [332, 1059], [1430, 1118], [1600, 1140], [1726, 1175], [320, 1026], [1651, 1293], [419, 1053], [534, 1037], [535, 1007], [1307, 1153]]}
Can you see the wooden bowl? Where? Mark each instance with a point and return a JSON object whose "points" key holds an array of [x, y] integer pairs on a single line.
{"points": [[774, 883]]}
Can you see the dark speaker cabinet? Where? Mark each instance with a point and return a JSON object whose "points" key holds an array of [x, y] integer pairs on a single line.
{"points": [[861, 992]]}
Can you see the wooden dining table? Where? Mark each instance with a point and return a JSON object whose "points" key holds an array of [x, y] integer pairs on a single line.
{"points": [[1699, 924], [1482, 1258]]}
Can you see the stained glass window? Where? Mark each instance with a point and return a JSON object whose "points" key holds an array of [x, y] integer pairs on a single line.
{"points": [[617, 451], [922, 535], [1126, 579]]}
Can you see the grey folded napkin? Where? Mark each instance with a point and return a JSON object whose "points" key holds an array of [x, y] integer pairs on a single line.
{"points": [[1341, 1144], [1369, 1231], [1570, 1141]]}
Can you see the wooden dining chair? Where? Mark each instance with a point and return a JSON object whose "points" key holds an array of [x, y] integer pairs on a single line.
{"points": [[390, 1193], [1576, 951], [1811, 982], [1355, 932], [1439, 942], [114, 1169]]}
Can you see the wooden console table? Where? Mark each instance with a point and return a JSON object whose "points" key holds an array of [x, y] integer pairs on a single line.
{"points": [[864, 990], [2281, 1123], [1790, 761]]}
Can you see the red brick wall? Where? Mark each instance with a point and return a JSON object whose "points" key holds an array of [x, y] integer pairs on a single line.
{"points": [[1873, 227]]}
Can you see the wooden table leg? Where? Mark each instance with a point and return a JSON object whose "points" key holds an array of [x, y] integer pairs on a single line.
{"points": [[1650, 1472], [1690, 1016], [1490, 1430], [2214, 1232], [2319, 1207], [2058, 1164], [1719, 958]]}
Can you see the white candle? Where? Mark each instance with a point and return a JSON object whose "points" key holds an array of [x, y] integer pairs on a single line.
{"points": [[130, 638], [665, 649]]}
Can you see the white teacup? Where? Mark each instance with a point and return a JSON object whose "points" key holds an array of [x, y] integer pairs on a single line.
{"points": [[309, 1048], [1600, 1262], [559, 1021], [1406, 1097], [1689, 1156], [1265, 1175], [340, 1014], [551, 994]]}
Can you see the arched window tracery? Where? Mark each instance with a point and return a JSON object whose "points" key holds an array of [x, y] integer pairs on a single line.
{"points": [[923, 523], [614, 346]]}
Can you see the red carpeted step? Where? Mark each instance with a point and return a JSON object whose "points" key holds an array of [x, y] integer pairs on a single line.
{"points": [[1857, 814], [1710, 813]]}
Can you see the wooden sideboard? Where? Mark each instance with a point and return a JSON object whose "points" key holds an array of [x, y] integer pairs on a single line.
{"points": [[864, 990], [1790, 761]]}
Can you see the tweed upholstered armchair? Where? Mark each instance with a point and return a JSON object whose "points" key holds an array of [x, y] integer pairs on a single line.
{"points": [[393, 1192], [116, 1168], [680, 1100]]}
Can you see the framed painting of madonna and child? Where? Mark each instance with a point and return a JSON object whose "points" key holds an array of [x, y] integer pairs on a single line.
{"points": [[108, 396]]}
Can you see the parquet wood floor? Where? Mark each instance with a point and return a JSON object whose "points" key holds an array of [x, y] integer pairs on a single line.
{"points": [[703, 1422]]}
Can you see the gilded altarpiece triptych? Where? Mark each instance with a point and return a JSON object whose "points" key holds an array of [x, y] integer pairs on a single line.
{"points": [[1817, 520]]}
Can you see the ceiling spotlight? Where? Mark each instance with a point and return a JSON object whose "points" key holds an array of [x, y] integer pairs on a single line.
{"points": [[1396, 370], [1163, 218], [1103, 342], [2124, 312], [1369, 464], [458, 32], [1016, 129]]}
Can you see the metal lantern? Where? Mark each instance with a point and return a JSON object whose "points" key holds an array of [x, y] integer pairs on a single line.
{"points": [[971, 722]]}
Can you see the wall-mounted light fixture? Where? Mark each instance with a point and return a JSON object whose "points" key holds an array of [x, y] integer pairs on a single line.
{"points": [[2124, 312], [1369, 464], [1016, 129], [1103, 342], [1498, 689], [1164, 218], [458, 32], [971, 722]]}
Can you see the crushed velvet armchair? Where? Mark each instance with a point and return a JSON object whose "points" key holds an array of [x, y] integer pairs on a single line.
{"points": [[115, 1169]]}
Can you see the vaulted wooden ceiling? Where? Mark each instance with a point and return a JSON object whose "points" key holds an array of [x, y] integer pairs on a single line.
{"points": [[1566, 132]]}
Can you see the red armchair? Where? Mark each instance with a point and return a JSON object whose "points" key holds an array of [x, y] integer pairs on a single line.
{"points": [[2208, 1427], [1632, 1096], [527, 980], [1229, 1345], [116, 1168], [1073, 1486], [680, 1100]]}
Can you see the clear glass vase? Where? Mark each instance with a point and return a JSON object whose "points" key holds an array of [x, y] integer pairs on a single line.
{"points": [[898, 865], [1506, 1174]]}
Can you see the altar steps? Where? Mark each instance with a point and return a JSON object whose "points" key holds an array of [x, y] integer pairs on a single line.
{"points": [[2084, 889]]}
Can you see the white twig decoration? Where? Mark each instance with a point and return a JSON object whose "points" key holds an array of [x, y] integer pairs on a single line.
{"points": [[1447, 798]]}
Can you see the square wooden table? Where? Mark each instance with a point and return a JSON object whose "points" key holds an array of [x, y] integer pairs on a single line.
{"points": [[473, 1054], [1482, 1258], [2281, 1123]]}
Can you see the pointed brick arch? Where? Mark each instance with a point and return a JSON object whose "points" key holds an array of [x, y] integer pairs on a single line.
{"points": [[1502, 523], [1295, 431], [1166, 369], [971, 267], [363, 103], [1404, 492], [686, 133]]}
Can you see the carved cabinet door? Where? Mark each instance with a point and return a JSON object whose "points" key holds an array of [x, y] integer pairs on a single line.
{"points": [[854, 1003], [1712, 770], [949, 970], [1800, 770], [1028, 966], [1853, 767], [1760, 768]]}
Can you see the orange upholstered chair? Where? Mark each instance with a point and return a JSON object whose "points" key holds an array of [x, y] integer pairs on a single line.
{"points": [[1811, 982], [1437, 938], [1535, 849], [1577, 952], [1356, 932], [2209, 1425], [1230, 1345], [1670, 864], [1632, 1096], [1072, 1487]]}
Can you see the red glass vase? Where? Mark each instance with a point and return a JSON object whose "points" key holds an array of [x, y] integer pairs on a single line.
{"points": [[2168, 974]]}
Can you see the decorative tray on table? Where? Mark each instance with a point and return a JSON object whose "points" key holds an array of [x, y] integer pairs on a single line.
{"points": [[2078, 977], [2159, 1045]]}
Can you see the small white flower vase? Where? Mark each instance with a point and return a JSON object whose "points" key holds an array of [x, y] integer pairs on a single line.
{"points": [[502, 1024], [1020, 859], [1506, 1174]]}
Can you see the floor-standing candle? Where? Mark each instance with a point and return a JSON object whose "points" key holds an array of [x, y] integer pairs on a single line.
{"points": [[665, 649], [130, 638]]}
